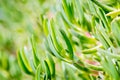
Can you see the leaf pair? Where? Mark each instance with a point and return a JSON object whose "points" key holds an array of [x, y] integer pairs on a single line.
{"points": [[104, 19], [68, 9], [107, 61], [79, 11], [36, 61], [103, 6], [54, 45], [83, 38], [103, 36], [49, 68], [67, 41], [100, 13], [23, 62]]}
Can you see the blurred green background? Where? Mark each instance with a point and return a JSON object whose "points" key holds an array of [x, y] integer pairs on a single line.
{"points": [[19, 19]]}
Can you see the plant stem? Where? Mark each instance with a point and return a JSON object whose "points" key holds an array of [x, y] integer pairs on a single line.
{"points": [[93, 67], [91, 50]]}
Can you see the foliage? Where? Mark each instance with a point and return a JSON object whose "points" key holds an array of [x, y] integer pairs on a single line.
{"points": [[80, 41]]}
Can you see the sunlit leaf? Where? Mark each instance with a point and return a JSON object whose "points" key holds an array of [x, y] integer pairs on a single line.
{"points": [[67, 41], [23, 62], [47, 70], [51, 64], [35, 58], [38, 73]]}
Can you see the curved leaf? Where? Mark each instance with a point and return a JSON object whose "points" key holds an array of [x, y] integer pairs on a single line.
{"points": [[37, 76], [47, 70], [35, 58], [51, 65], [22, 60], [69, 46]]}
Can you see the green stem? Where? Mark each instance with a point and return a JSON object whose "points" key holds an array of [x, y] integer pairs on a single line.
{"points": [[93, 67], [91, 50], [81, 67], [86, 66]]}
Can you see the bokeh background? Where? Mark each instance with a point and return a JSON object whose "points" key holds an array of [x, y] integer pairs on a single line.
{"points": [[19, 20]]}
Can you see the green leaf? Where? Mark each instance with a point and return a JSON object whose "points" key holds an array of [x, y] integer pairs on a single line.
{"points": [[104, 19], [101, 39], [51, 65], [81, 67], [106, 61], [115, 25], [35, 58], [48, 47], [103, 6], [79, 10], [54, 38], [38, 71], [69, 46], [69, 24], [68, 9], [91, 50], [106, 36], [112, 55], [45, 27], [83, 38], [92, 7], [47, 70], [69, 72], [23, 62], [53, 49], [114, 13]]}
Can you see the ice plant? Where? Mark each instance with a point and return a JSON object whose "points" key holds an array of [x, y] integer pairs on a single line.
{"points": [[81, 42]]}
